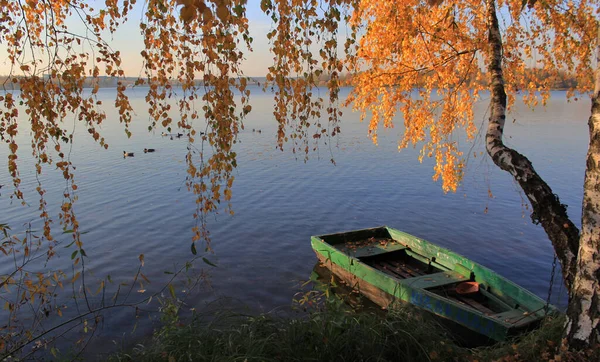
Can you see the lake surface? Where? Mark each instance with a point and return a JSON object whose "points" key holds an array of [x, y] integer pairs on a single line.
{"points": [[141, 205]]}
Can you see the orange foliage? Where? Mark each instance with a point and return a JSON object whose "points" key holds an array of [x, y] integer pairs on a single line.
{"points": [[50, 65], [424, 60]]}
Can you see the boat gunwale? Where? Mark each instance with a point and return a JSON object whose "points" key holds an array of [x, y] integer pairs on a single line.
{"points": [[486, 270], [407, 282], [441, 249], [530, 316]]}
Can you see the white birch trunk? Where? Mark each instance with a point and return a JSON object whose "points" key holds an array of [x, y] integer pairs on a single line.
{"points": [[547, 209], [583, 315]]}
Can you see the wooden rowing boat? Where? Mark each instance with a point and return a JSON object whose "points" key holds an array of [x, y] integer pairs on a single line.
{"points": [[389, 266]]}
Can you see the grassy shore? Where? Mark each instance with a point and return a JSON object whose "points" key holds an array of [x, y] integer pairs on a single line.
{"points": [[334, 334], [336, 324]]}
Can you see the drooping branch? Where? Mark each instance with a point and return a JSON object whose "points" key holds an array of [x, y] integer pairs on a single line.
{"points": [[547, 209]]}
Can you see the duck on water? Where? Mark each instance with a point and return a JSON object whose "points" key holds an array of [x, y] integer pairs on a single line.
{"points": [[178, 135]]}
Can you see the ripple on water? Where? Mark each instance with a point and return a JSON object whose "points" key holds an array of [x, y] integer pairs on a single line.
{"points": [[141, 205]]}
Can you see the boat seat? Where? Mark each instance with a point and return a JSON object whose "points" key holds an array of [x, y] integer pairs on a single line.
{"points": [[372, 249], [434, 280], [516, 317]]}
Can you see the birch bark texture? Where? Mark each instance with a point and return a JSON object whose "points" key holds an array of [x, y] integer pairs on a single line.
{"points": [[583, 315], [547, 208], [579, 254], [433, 47]]}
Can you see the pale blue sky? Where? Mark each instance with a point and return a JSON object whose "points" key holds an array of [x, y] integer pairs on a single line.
{"points": [[129, 41]]}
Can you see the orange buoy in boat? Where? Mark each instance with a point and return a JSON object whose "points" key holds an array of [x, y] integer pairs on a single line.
{"points": [[467, 288]]}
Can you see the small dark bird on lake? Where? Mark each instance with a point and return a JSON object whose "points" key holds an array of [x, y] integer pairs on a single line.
{"points": [[146, 150], [127, 154], [253, 130], [164, 134], [259, 131]]}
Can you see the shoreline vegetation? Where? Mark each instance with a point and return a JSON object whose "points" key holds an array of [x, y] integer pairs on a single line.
{"points": [[335, 333], [333, 323], [561, 81]]}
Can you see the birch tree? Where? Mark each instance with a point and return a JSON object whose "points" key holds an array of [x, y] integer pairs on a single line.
{"points": [[430, 61], [447, 52], [583, 325]]}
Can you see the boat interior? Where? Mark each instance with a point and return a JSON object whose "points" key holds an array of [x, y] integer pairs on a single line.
{"points": [[426, 273], [377, 248]]}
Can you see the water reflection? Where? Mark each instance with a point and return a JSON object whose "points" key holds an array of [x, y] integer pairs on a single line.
{"points": [[141, 205], [324, 282]]}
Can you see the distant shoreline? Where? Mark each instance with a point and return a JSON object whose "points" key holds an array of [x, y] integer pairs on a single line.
{"points": [[11, 84]]}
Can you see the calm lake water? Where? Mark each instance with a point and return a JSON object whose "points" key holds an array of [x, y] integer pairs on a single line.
{"points": [[141, 205]]}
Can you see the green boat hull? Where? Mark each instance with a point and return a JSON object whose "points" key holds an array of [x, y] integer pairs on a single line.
{"points": [[389, 267]]}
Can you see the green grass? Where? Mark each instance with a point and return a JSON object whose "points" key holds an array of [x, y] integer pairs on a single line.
{"points": [[319, 336], [333, 334], [330, 330]]}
